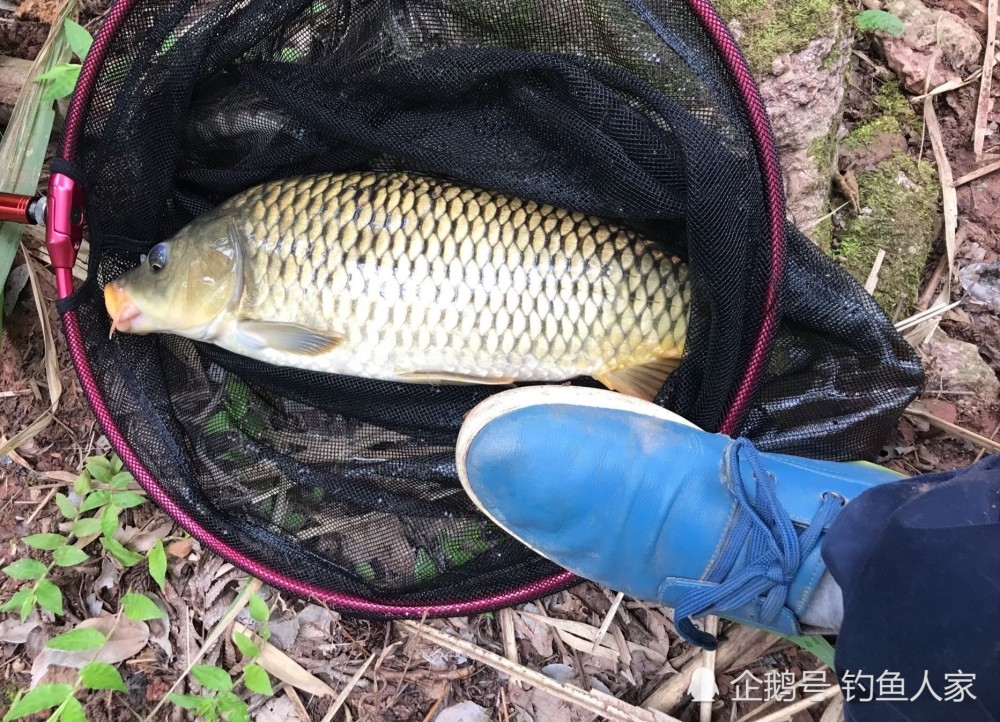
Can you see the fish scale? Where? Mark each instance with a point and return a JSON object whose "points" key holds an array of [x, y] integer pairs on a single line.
{"points": [[414, 278]]}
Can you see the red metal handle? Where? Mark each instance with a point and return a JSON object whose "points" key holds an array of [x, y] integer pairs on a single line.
{"points": [[14, 208]]}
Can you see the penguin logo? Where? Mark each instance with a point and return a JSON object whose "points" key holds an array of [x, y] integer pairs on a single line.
{"points": [[703, 687]]}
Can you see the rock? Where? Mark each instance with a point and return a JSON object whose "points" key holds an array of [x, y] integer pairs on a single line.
{"points": [[465, 712], [957, 366], [926, 31], [804, 103]]}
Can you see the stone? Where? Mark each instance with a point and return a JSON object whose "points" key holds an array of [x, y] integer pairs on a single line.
{"points": [[924, 32], [957, 366]]}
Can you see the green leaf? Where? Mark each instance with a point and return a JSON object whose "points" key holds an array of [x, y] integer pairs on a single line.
{"points": [[189, 701], [816, 645], [61, 81], [872, 20], [158, 564], [41, 697], [78, 38], [69, 556], [100, 468], [365, 570], [77, 639], [245, 645], [73, 711], [66, 506], [101, 675], [25, 569], [28, 606], [82, 485], [139, 607], [424, 569], [258, 609], [47, 542], [109, 520], [95, 500], [17, 601], [86, 526], [256, 679], [119, 552], [121, 480], [49, 596], [232, 707], [218, 423], [116, 464], [127, 499], [213, 678]]}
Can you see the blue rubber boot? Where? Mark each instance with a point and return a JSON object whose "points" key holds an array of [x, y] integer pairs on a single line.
{"points": [[628, 494]]}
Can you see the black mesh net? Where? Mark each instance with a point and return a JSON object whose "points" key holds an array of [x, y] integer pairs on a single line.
{"points": [[618, 108]]}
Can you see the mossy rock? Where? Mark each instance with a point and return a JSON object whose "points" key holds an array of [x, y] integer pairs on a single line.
{"points": [[899, 201], [773, 27]]}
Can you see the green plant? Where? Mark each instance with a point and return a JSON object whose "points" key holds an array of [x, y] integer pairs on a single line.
{"points": [[94, 675], [871, 20], [63, 76], [219, 700], [101, 489]]}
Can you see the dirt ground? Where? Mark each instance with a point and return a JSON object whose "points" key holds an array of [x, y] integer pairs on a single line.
{"points": [[416, 679]]}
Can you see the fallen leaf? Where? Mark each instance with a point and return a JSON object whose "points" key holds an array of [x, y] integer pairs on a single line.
{"points": [[144, 540], [943, 410], [316, 622], [127, 641], [284, 633], [180, 548], [539, 635], [16, 281], [277, 709], [15, 631], [464, 712], [285, 668]]}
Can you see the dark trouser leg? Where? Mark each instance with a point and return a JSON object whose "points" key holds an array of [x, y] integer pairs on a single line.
{"points": [[919, 565]]}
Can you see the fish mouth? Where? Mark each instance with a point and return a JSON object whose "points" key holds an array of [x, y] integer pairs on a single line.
{"points": [[123, 312]]}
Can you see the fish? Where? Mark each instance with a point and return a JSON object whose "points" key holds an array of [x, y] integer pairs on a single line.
{"points": [[412, 278]]}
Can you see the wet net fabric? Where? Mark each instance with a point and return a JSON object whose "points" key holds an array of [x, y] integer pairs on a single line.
{"points": [[617, 108]]}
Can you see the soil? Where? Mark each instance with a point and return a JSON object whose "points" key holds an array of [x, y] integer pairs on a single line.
{"points": [[413, 677]]}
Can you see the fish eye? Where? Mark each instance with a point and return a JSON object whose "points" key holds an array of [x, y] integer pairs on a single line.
{"points": [[157, 257]]}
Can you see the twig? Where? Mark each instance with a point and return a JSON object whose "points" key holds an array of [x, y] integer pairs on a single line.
{"points": [[872, 281], [977, 173], [596, 702], [434, 707], [506, 618], [300, 709], [921, 316], [949, 196], [955, 429], [342, 697], [834, 712], [812, 224], [925, 298], [38, 509], [983, 450], [947, 87], [608, 618], [708, 660], [989, 58], [786, 713]]}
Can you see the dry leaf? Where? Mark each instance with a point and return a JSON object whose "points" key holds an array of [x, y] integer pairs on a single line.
{"points": [[14, 631], [538, 635], [316, 622], [157, 530], [180, 548], [286, 669], [277, 709], [284, 633], [127, 641]]}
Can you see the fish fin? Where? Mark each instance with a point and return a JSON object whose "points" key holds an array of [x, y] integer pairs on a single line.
{"points": [[643, 381], [447, 377], [287, 337]]}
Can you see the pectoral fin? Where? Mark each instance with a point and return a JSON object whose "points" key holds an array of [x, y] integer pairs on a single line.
{"points": [[445, 377], [643, 381], [287, 337]]}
